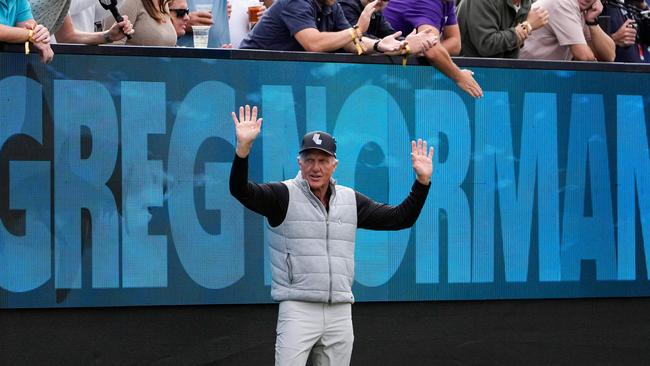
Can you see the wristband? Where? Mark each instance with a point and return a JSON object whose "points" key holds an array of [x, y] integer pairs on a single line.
{"points": [[357, 31], [357, 45], [29, 39], [355, 40], [405, 54], [353, 34]]}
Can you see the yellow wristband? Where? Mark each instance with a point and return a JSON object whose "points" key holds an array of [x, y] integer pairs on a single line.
{"points": [[29, 39], [356, 39], [357, 31], [353, 34], [405, 54], [358, 46]]}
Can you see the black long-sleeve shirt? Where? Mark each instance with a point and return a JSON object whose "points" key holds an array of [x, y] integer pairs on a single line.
{"points": [[272, 200]]}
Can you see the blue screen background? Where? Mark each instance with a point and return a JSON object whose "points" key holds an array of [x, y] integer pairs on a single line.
{"points": [[115, 179]]}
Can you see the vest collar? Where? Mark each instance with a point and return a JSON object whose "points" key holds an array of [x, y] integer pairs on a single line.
{"points": [[304, 186]]}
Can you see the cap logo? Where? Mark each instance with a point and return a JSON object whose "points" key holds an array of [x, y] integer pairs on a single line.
{"points": [[317, 139]]}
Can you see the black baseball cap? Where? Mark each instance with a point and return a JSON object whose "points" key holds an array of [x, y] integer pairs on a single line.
{"points": [[319, 140]]}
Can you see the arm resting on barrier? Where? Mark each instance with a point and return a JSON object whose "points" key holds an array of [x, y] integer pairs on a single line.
{"points": [[602, 45]]}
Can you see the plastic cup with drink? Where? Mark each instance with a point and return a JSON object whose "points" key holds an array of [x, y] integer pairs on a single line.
{"points": [[201, 33], [254, 7]]}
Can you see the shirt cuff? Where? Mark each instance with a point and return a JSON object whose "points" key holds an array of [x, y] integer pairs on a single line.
{"points": [[417, 186]]}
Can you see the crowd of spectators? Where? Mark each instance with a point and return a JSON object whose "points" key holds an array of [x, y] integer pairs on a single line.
{"points": [[582, 30]]}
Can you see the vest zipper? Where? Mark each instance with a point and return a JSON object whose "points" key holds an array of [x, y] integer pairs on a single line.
{"points": [[327, 235], [327, 242], [327, 246]]}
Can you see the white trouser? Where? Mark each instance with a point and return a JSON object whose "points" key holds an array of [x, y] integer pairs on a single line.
{"points": [[327, 328]]}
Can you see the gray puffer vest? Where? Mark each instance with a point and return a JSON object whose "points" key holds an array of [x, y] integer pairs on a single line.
{"points": [[312, 250]]}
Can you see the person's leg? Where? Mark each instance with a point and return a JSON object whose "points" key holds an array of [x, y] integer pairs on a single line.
{"points": [[300, 325], [335, 346]]}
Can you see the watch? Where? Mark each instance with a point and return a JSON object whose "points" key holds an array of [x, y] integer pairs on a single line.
{"points": [[376, 46], [592, 23]]}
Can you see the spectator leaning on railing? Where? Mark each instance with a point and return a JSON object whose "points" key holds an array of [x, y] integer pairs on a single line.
{"points": [[17, 25], [320, 26], [565, 37], [379, 26], [438, 16], [151, 21], [497, 28]]}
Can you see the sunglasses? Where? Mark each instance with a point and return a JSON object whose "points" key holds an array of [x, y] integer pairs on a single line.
{"points": [[180, 12]]}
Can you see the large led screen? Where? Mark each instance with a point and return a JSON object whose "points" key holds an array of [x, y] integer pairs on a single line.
{"points": [[114, 179]]}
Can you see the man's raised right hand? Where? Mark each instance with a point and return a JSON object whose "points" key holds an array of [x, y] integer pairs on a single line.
{"points": [[366, 14], [247, 127]]}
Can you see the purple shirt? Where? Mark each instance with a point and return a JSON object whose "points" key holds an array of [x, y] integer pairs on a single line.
{"points": [[405, 15]]}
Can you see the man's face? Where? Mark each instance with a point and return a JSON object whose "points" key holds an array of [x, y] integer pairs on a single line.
{"points": [[317, 168], [181, 22], [586, 4]]}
